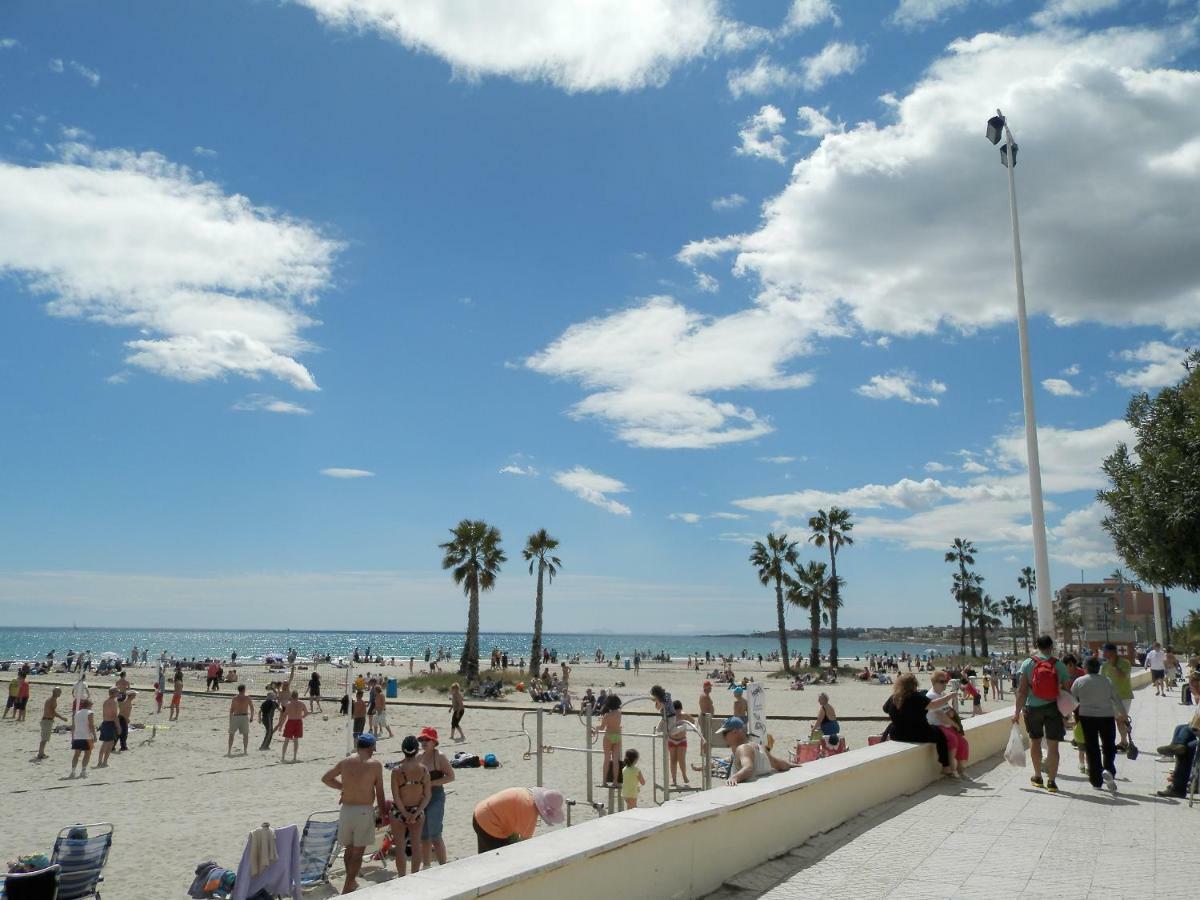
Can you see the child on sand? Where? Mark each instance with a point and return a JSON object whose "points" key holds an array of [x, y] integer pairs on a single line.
{"points": [[610, 726], [632, 779]]}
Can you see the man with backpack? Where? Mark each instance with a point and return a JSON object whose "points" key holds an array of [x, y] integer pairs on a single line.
{"points": [[1041, 678]]}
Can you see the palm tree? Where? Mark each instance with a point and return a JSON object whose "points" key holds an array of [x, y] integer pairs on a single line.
{"points": [[968, 588], [832, 530], [1067, 621], [474, 556], [988, 613], [1011, 607], [961, 553], [1028, 581], [811, 590], [772, 560], [537, 552]]}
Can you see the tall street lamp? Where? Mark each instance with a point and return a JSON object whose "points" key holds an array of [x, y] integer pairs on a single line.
{"points": [[997, 127]]}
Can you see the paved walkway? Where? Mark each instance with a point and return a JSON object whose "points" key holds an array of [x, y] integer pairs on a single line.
{"points": [[996, 836]]}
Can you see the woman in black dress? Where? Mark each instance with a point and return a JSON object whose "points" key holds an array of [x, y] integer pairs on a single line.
{"points": [[907, 708]]}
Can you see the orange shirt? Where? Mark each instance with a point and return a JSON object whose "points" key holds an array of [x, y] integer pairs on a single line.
{"points": [[507, 813]]}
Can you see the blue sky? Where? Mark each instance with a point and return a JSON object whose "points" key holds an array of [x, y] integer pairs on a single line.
{"points": [[657, 275]]}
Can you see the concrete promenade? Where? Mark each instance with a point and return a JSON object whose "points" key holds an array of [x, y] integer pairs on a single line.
{"points": [[997, 836]]}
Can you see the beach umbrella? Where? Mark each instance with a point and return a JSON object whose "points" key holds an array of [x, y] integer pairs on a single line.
{"points": [[108, 654]]}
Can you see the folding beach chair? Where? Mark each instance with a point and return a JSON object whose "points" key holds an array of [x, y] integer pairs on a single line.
{"points": [[318, 844], [82, 851], [39, 885], [1193, 785]]}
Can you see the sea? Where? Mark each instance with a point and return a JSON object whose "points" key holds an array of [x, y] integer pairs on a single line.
{"points": [[35, 643]]}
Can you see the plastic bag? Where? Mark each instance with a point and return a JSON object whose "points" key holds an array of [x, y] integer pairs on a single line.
{"points": [[1066, 703], [1014, 753]]}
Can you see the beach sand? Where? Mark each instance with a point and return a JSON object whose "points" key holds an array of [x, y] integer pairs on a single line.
{"points": [[179, 801]]}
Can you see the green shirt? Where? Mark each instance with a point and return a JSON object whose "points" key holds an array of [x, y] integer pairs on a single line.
{"points": [[1119, 675], [1064, 678]]}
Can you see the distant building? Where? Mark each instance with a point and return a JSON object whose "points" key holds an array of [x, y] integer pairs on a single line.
{"points": [[1113, 610]]}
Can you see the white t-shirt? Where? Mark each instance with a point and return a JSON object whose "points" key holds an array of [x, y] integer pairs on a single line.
{"points": [[938, 717], [80, 730], [1156, 659], [79, 691]]}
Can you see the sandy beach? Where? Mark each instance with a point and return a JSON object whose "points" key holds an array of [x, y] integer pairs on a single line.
{"points": [[178, 801]]}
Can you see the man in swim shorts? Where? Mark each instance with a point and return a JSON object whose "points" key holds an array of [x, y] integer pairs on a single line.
{"points": [[49, 714], [241, 714], [109, 728], [360, 779], [291, 723]]}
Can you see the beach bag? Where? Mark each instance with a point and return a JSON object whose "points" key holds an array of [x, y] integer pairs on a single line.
{"points": [[1014, 753], [490, 761], [1043, 680]]}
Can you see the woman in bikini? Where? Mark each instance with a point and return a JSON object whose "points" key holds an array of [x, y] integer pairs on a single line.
{"points": [[677, 742], [411, 793], [610, 727], [457, 709], [827, 721]]}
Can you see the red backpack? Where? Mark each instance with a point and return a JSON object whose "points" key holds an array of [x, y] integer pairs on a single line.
{"points": [[1043, 680]]}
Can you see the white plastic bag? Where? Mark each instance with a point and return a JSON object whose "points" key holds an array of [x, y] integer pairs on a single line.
{"points": [[1014, 753]]}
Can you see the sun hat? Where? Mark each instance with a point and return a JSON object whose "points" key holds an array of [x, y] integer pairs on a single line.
{"points": [[708, 684], [733, 723], [366, 741], [409, 746], [428, 733], [739, 690], [549, 805]]}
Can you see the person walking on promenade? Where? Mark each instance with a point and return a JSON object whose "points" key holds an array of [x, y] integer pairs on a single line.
{"points": [[1099, 710], [1042, 677], [1119, 671], [1156, 662], [359, 778]]}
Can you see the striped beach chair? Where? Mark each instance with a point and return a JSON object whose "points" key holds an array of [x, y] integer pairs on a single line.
{"points": [[318, 844], [81, 851]]}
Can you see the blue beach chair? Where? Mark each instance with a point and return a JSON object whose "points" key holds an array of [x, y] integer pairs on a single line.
{"points": [[81, 851], [318, 844], [39, 885]]}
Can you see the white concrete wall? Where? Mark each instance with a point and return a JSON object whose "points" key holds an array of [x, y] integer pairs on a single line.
{"points": [[689, 847]]}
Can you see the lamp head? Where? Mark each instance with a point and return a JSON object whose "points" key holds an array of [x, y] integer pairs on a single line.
{"points": [[1004, 155], [995, 128]]}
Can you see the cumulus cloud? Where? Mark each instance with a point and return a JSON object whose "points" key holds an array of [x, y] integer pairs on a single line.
{"points": [[915, 13], [216, 285], [993, 507], [267, 403], [513, 469], [1081, 540], [806, 13], [1059, 11], [1161, 365], [973, 467], [902, 385], [933, 466], [760, 135], [1060, 387], [762, 78], [199, 150], [729, 201], [593, 488], [651, 367], [836, 58], [348, 473], [577, 45], [874, 219], [816, 123]]}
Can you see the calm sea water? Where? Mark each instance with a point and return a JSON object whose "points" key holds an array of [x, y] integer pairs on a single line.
{"points": [[34, 643]]}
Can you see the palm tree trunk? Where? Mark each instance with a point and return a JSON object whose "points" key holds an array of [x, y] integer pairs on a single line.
{"points": [[962, 607], [536, 652], [983, 644], [833, 609], [783, 647], [1012, 623], [814, 647], [971, 628], [471, 651]]}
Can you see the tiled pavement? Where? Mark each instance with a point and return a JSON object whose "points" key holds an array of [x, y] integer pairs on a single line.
{"points": [[996, 836]]}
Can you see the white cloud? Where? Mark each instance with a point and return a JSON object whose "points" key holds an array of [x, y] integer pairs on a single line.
{"points": [[347, 473], [56, 66], [198, 150], [902, 385], [933, 466], [267, 403], [1162, 366], [1060, 387], [853, 226], [593, 488], [76, 134], [974, 467], [577, 45], [739, 537], [693, 518], [777, 460], [914, 13], [815, 122], [760, 135], [707, 283], [690, 518], [762, 78], [1080, 539], [89, 75], [216, 285], [733, 517], [992, 508], [729, 201], [1058, 11], [1071, 370], [807, 13], [9, 43], [650, 368], [118, 378], [836, 58], [513, 469]]}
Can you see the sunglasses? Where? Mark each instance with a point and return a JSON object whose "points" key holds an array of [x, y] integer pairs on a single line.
{"points": [[423, 740]]}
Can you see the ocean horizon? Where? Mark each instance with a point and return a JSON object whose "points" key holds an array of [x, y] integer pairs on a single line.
{"points": [[255, 643]]}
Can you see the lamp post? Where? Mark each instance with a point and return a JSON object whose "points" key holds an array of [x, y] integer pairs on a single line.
{"points": [[997, 127]]}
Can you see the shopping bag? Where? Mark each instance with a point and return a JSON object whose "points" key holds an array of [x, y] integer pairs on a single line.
{"points": [[1014, 753]]}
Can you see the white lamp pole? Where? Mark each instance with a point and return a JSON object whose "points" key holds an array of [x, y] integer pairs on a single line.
{"points": [[1045, 608]]}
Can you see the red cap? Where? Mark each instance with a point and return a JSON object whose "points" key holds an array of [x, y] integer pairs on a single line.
{"points": [[708, 684], [429, 733]]}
